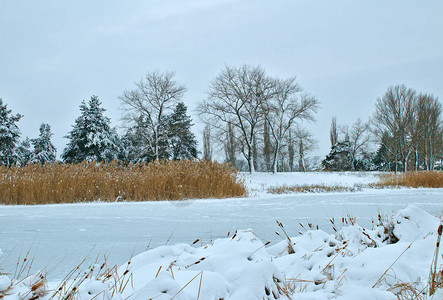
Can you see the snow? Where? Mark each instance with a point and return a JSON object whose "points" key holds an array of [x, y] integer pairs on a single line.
{"points": [[348, 264], [259, 182], [204, 248], [5, 282]]}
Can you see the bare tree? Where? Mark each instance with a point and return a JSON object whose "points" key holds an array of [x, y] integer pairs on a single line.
{"points": [[306, 144], [291, 150], [230, 145], [267, 147], [358, 137], [154, 96], [288, 105], [394, 116], [333, 132], [237, 95], [207, 148], [427, 135]]}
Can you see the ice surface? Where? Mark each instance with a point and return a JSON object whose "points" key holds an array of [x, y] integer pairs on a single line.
{"points": [[258, 183], [60, 236], [351, 263]]}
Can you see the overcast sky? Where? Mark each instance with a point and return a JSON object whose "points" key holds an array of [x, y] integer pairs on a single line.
{"points": [[54, 54]]}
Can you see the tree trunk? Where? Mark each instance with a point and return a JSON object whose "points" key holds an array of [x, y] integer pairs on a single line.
{"points": [[267, 147], [291, 152], [275, 162], [416, 159], [254, 153], [301, 161], [251, 156], [156, 146], [251, 162]]}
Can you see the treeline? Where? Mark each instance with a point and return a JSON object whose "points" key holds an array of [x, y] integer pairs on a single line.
{"points": [[257, 118], [16, 152], [406, 129], [254, 121], [157, 126]]}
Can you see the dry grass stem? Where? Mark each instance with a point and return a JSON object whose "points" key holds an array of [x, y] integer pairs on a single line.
{"points": [[384, 273], [288, 239], [435, 280]]}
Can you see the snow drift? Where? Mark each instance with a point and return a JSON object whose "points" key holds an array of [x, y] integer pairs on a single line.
{"points": [[383, 262]]}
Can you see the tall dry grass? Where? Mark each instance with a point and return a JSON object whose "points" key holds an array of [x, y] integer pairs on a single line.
{"points": [[85, 182], [313, 188], [427, 179]]}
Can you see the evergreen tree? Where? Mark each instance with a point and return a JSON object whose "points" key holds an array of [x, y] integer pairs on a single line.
{"points": [[137, 144], [23, 152], [92, 137], [339, 159], [44, 150], [127, 149], [181, 141], [9, 135], [380, 160], [384, 159]]}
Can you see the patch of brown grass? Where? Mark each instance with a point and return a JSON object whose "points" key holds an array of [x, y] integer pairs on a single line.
{"points": [[33, 287], [314, 188], [427, 179], [85, 182], [407, 291]]}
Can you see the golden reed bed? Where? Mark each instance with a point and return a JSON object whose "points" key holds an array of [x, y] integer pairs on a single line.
{"points": [[426, 179], [85, 182]]}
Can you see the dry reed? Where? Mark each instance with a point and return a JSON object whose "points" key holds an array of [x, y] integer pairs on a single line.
{"points": [[314, 188], [426, 179], [85, 182], [435, 280]]}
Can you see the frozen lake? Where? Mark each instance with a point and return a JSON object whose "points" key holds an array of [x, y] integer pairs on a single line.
{"points": [[60, 236]]}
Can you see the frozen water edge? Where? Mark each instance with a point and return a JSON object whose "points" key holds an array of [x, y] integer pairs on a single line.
{"points": [[259, 182], [352, 263], [60, 236]]}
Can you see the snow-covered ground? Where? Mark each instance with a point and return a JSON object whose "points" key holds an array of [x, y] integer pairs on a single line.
{"points": [[259, 182], [60, 236]]}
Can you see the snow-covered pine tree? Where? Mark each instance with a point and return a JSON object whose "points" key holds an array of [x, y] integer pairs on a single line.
{"points": [[23, 152], [137, 144], [181, 141], [92, 137], [126, 149], [339, 159], [44, 150], [9, 135]]}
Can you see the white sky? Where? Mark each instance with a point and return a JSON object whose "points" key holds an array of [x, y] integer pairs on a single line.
{"points": [[54, 54]]}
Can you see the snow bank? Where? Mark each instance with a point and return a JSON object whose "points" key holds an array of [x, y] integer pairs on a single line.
{"points": [[259, 182], [352, 263]]}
